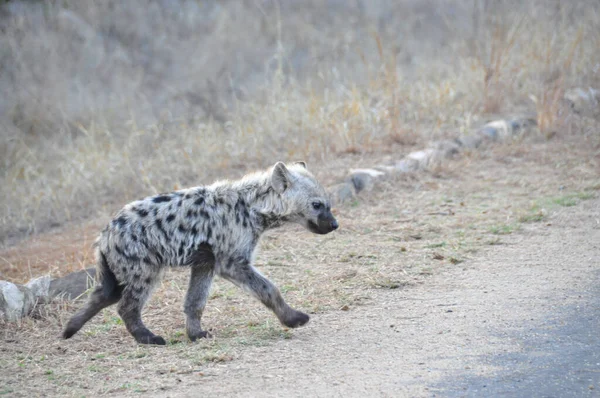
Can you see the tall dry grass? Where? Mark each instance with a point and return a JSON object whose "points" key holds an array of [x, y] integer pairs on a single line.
{"points": [[106, 101]]}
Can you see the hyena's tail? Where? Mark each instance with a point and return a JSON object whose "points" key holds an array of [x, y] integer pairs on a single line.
{"points": [[106, 293]]}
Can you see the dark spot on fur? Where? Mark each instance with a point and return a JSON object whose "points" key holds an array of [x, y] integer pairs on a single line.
{"points": [[161, 229], [265, 287], [199, 201], [180, 251], [224, 220], [155, 212], [203, 214], [119, 250], [147, 260], [148, 280], [143, 230], [142, 213], [161, 199], [181, 228], [120, 222], [208, 232], [136, 276], [194, 231], [124, 269], [170, 217], [134, 237]]}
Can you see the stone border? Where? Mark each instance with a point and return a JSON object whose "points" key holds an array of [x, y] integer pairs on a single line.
{"points": [[17, 301], [361, 179]]}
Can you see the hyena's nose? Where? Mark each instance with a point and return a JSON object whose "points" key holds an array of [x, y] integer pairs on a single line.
{"points": [[334, 225]]}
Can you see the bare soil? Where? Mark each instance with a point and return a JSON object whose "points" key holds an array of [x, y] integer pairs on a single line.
{"points": [[442, 283], [504, 324]]}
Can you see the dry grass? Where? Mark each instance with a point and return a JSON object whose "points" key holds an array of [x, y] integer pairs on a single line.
{"points": [[135, 100], [437, 220]]}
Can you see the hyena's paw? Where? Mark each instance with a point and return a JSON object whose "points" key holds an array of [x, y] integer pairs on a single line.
{"points": [[296, 319], [147, 337], [202, 334]]}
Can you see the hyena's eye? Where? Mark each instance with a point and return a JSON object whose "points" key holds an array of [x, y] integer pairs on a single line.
{"points": [[317, 205]]}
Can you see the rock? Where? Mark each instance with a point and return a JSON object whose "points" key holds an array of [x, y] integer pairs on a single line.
{"points": [[497, 130], [363, 178], [74, 285], [490, 133], [584, 101], [424, 158], [340, 193], [470, 141], [447, 148], [39, 287], [522, 126], [386, 169], [16, 301], [407, 165]]}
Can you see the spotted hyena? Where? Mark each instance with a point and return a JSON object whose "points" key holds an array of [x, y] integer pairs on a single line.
{"points": [[212, 229]]}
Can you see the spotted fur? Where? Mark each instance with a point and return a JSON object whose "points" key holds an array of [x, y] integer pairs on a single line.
{"points": [[212, 229]]}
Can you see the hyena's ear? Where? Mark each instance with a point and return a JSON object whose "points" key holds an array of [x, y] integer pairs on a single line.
{"points": [[280, 180], [301, 163]]}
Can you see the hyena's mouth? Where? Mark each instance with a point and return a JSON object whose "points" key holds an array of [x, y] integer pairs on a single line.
{"points": [[322, 227]]}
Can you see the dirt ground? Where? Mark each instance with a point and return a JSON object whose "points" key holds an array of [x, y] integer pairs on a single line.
{"points": [[505, 324], [476, 278]]}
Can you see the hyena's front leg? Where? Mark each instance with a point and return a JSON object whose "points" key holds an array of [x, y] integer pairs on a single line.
{"points": [[244, 275], [195, 300]]}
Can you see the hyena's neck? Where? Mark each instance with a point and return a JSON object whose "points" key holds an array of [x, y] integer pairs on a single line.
{"points": [[263, 202]]}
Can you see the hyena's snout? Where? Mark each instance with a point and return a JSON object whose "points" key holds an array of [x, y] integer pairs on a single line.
{"points": [[325, 224]]}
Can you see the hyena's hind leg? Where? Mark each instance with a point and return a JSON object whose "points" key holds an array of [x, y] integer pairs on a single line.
{"points": [[107, 292], [97, 302], [242, 274], [203, 265], [135, 295]]}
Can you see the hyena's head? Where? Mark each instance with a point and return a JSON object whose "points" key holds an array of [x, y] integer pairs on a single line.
{"points": [[307, 201]]}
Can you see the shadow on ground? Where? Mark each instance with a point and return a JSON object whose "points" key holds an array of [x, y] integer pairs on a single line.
{"points": [[560, 356]]}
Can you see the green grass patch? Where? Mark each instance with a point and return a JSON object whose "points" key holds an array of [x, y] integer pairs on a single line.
{"points": [[503, 229], [455, 260], [435, 245], [535, 216], [573, 199]]}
